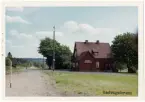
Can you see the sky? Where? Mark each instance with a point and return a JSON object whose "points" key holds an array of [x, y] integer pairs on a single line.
{"points": [[26, 26]]}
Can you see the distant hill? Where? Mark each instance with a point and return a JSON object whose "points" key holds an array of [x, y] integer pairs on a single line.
{"points": [[34, 59]]}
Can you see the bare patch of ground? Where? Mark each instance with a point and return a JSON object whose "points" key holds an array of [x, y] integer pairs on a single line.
{"points": [[30, 82]]}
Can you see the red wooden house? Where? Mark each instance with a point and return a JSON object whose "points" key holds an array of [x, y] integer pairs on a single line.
{"points": [[92, 56]]}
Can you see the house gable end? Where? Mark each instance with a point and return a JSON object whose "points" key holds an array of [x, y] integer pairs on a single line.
{"points": [[86, 55]]}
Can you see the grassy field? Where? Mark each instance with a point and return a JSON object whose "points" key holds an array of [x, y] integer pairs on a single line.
{"points": [[14, 70], [94, 84]]}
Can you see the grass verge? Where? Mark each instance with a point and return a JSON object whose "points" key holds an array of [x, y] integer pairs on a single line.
{"points": [[14, 70], [95, 84]]}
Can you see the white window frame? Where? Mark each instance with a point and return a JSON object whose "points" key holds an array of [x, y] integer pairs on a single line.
{"points": [[97, 53], [77, 64], [73, 64], [87, 61], [97, 64]]}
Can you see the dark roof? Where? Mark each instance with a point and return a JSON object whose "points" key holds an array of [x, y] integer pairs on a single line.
{"points": [[103, 49], [84, 54]]}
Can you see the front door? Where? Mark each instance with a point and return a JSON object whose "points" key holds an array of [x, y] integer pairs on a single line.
{"points": [[107, 67], [87, 65]]}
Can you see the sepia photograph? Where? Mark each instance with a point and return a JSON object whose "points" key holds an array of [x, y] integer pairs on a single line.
{"points": [[71, 51]]}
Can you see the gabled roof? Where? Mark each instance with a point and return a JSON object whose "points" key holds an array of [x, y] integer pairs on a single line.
{"points": [[84, 54], [103, 49]]}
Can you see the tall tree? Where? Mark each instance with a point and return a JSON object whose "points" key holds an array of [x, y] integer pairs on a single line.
{"points": [[61, 53], [46, 49], [10, 55], [125, 50]]}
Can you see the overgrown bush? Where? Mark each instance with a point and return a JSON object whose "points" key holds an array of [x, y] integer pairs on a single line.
{"points": [[125, 49], [8, 61], [120, 66], [132, 69]]}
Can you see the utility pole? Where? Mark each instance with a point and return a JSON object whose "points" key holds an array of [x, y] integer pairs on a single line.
{"points": [[70, 61], [43, 62], [11, 74], [54, 48]]}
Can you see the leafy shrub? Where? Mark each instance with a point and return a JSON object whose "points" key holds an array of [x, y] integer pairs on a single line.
{"points": [[8, 61]]}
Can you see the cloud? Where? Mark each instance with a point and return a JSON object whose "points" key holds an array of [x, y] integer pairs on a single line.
{"points": [[15, 9], [18, 19], [16, 34], [86, 28], [17, 46], [13, 33], [43, 34], [8, 43], [37, 35], [19, 38], [70, 26], [74, 31], [26, 44], [76, 28], [22, 44], [26, 39]]}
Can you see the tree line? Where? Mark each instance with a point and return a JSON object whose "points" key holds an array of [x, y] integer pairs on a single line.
{"points": [[22, 62]]}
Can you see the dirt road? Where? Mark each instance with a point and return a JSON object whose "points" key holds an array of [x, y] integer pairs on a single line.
{"points": [[30, 82]]}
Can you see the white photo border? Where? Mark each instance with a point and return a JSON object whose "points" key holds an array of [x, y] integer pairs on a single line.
{"points": [[141, 76]]}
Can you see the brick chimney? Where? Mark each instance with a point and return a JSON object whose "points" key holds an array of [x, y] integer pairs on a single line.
{"points": [[97, 42], [86, 41]]}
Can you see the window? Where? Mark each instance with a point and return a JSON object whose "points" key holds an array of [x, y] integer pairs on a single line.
{"points": [[97, 64], [87, 61], [77, 64], [73, 64], [97, 53]]}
